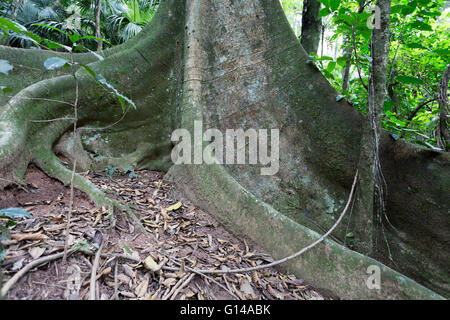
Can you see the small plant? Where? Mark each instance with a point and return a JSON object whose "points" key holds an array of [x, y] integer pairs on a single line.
{"points": [[110, 171], [130, 171]]}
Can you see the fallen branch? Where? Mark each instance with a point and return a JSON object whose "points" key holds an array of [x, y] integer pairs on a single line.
{"points": [[30, 266], [184, 284], [94, 269], [169, 293]]}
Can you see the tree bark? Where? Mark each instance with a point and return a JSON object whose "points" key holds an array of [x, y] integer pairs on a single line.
{"points": [[196, 60], [444, 122], [98, 34], [311, 26], [349, 51]]}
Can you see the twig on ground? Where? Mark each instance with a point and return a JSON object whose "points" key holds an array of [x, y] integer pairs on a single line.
{"points": [[116, 283], [28, 267], [169, 293], [94, 270], [184, 284]]}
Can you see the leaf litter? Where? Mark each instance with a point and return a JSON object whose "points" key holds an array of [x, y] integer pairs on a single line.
{"points": [[135, 264]]}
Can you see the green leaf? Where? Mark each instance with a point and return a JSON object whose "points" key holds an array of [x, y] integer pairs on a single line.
{"points": [[6, 89], [15, 213], [122, 99], [55, 63], [408, 80], [127, 249], [51, 27], [342, 61], [5, 66], [324, 12], [55, 45], [334, 4], [326, 3], [324, 58], [408, 9], [331, 66], [396, 9], [442, 51], [419, 25], [95, 38], [415, 46], [89, 69], [74, 37]]}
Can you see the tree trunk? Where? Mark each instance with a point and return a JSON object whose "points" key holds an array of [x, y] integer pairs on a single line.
{"points": [[311, 26], [444, 122], [349, 50], [370, 203], [197, 61], [98, 34]]}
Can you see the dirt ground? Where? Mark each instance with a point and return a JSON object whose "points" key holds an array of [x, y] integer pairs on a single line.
{"points": [[176, 234]]}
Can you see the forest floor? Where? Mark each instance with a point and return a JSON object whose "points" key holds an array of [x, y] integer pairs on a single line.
{"points": [[177, 232]]}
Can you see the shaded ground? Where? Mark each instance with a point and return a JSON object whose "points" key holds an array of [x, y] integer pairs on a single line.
{"points": [[182, 234]]}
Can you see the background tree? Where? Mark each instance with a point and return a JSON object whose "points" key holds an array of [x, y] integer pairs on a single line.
{"points": [[311, 26]]}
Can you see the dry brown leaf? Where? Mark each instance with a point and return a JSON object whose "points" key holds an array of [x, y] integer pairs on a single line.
{"points": [[32, 236], [141, 289], [239, 294], [247, 289], [36, 252], [129, 271], [189, 293], [151, 264], [97, 219], [165, 215], [123, 278], [169, 282], [106, 271], [275, 293], [127, 294], [54, 227]]}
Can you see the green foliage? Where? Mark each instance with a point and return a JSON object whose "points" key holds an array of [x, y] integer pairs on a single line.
{"points": [[419, 55], [110, 171], [126, 18], [120, 20], [57, 62]]}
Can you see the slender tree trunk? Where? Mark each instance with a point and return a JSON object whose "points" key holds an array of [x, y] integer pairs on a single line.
{"points": [[349, 51], [444, 122], [370, 202], [346, 72], [311, 26], [97, 24]]}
